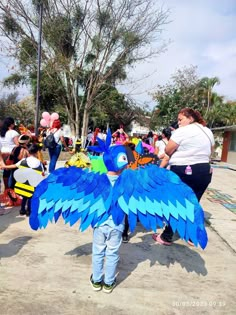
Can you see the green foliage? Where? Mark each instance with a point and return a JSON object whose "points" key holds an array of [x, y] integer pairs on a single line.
{"points": [[187, 90], [23, 112], [27, 53], [89, 58], [84, 46], [51, 90], [130, 39], [58, 33], [14, 80], [97, 43], [10, 25], [78, 18], [37, 3], [104, 19], [112, 107], [5, 104]]}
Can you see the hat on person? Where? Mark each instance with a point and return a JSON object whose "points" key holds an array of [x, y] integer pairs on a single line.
{"points": [[24, 139]]}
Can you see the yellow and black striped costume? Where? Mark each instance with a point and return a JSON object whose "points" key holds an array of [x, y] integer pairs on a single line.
{"points": [[23, 186]]}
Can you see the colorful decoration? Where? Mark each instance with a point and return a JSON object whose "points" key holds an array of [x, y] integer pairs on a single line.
{"points": [[79, 159], [48, 119], [149, 194]]}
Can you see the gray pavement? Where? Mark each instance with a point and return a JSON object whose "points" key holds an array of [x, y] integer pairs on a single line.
{"points": [[47, 272]]}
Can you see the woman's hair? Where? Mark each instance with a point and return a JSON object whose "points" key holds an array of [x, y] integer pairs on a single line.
{"points": [[56, 124], [150, 134], [8, 121], [189, 112], [34, 148], [117, 134], [167, 133], [24, 139]]}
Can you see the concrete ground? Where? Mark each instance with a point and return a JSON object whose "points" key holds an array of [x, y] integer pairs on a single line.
{"points": [[47, 272]]}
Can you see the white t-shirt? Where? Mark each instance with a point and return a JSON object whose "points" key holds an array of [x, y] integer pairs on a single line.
{"points": [[195, 142], [161, 145], [7, 142]]}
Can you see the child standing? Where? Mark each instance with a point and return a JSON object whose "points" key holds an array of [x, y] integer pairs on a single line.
{"points": [[107, 239], [26, 190]]}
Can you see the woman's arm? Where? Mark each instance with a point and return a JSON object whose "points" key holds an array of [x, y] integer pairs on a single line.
{"points": [[64, 143], [15, 140], [12, 166], [1, 158], [114, 133], [171, 147], [24, 153], [164, 161]]}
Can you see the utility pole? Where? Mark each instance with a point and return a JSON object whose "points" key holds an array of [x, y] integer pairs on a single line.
{"points": [[40, 10]]}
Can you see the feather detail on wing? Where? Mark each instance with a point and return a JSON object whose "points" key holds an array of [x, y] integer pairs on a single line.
{"points": [[149, 194], [155, 195], [73, 193]]}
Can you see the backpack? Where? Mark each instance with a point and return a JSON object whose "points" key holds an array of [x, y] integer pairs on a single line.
{"points": [[50, 142]]}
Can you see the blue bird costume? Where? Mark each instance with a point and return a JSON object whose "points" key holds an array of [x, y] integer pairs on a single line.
{"points": [[150, 194]]}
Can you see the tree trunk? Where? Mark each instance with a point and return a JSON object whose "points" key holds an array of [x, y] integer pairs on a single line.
{"points": [[84, 130], [208, 101]]}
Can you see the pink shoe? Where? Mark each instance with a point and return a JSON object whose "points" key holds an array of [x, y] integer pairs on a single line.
{"points": [[157, 238], [190, 243]]}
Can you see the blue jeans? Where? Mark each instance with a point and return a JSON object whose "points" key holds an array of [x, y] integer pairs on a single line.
{"points": [[106, 243], [54, 155]]}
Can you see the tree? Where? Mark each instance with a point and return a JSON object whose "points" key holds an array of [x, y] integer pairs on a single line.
{"points": [[186, 89], [207, 84], [85, 44], [181, 91], [115, 109], [6, 102], [22, 111]]}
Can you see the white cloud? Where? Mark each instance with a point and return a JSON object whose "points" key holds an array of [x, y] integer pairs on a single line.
{"points": [[202, 34]]}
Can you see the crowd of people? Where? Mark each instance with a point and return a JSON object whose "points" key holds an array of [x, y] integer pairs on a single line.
{"points": [[20, 143], [184, 149]]}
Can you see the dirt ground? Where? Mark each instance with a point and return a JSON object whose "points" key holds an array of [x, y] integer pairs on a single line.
{"points": [[47, 272]]}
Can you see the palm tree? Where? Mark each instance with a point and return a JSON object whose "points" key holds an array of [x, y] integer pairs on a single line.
{"points": [[207, 85]]}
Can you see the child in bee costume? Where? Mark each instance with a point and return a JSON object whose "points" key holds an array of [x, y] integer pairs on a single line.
{"points": [[28, 176]]}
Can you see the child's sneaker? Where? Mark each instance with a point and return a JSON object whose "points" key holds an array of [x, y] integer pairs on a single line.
{"points": [[97, 286], [125, 239], [108, 288]]}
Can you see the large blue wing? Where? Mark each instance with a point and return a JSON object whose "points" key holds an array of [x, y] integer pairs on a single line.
{"points": [[73, 193], [155, 195]]}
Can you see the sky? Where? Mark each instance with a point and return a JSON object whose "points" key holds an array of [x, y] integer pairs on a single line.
{"points": [[201, 33]]}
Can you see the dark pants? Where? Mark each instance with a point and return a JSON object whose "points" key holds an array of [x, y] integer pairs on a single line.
{"points": [[126, 229], [26, 201], [198, 181]]}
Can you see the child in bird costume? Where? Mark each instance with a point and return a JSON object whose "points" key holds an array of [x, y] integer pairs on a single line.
{"points": [[152, 195]]}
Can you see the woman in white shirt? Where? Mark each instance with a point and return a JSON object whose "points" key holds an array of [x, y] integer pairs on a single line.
{"points": [[160, 145], [8, 139], [59, 139], [189, 149]]}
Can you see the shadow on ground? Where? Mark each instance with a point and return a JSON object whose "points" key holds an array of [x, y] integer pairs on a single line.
{"points": [[144, 248], [13, 247], [9, 218]]}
